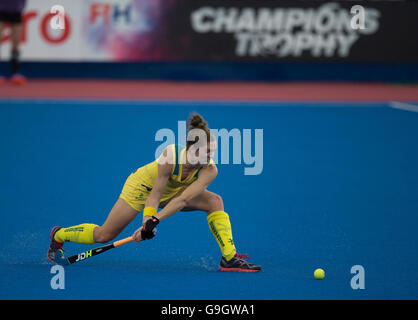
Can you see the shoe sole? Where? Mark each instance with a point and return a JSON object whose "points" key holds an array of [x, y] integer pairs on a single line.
{"points": [[237, 270]]}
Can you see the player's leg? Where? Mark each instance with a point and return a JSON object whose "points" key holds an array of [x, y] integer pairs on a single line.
{"points": [[119, 217], [2, 78], [16, 33], [123, 212], [2, 24], [87, 233], [218, 220], [220, 227]]}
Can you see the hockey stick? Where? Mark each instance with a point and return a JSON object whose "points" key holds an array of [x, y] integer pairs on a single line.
{"points": [[61, 260]]}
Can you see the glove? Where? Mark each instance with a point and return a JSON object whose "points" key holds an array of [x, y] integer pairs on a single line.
{"points": [[148, 226]]}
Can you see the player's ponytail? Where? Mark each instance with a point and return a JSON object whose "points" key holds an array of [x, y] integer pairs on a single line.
{"points": [[196, 121]]}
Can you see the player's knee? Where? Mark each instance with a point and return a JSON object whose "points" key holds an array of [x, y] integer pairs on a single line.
{"points": [[215, 203], [103, 236]]}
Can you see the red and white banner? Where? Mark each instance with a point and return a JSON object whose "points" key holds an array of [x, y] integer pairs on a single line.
{"points": [[215, 30], [94, 30], [40, 41]]}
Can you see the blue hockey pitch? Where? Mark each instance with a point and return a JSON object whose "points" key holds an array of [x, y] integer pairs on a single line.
{"points": [[338, 188]]}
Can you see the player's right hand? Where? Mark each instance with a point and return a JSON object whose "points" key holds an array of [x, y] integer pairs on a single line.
{"points": [[137, 235]]}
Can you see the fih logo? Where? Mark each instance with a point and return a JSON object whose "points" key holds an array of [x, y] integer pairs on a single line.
{"points": [[107, 13]]}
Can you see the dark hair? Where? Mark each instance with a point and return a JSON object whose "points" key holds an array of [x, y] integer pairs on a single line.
{"points": [[196, 121]]}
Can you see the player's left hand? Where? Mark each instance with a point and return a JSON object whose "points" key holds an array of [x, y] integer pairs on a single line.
{"points": [[148, 228]]}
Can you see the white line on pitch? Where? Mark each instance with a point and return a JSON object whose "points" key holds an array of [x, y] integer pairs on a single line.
{"points": [[403, 106]]}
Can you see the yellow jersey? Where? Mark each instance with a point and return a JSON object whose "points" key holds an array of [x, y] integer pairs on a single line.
{"points": [[139, 184]]}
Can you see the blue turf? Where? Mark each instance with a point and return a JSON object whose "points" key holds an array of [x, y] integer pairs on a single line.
{"points": [[339, 188]]}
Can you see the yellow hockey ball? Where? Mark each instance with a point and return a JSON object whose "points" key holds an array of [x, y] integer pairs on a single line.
{"points": [[319, 274]]}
